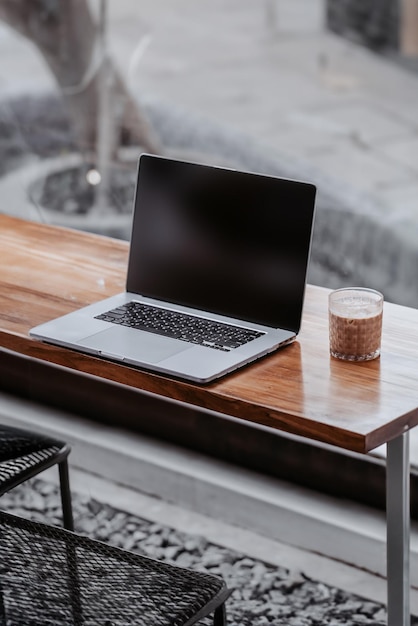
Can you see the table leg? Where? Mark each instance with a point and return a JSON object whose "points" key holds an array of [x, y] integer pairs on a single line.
{"points": [[398, 530]]}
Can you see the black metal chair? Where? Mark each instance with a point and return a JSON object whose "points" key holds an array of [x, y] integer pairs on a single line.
{"points": [[50, 576], [24, 454]]}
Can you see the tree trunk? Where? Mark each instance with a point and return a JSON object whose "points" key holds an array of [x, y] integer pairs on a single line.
{"points": [[66, 34]]}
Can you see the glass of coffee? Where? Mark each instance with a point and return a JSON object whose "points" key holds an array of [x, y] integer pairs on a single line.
{"points": [[355, 323]]}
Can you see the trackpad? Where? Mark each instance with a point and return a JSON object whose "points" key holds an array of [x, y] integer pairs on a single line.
{"points": [[136, 345]]}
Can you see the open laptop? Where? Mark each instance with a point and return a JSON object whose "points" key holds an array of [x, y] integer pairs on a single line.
{"points": [[216, 273]]}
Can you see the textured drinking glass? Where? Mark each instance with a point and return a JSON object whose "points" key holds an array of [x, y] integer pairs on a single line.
{"points": [[355, 323]]}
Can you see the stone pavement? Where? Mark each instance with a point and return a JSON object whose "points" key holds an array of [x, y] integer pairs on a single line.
{"points": [[268, 69]]}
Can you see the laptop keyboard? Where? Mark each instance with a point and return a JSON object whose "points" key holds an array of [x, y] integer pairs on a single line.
{"points": [[192, 329]]}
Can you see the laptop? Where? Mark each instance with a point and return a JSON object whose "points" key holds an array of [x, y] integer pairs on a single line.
{"points": [[216, 273]]}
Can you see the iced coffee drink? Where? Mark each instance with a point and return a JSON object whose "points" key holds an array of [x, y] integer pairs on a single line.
{"points": [[355, 323]]}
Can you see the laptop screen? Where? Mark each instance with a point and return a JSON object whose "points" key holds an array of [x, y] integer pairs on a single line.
{"points": [[219, 240]]}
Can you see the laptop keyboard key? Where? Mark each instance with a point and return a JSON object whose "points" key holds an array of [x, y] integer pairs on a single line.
{"points": [[196, 330]]}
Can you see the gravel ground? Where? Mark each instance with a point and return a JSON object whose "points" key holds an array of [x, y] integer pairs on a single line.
{"points": [[262, 595]]}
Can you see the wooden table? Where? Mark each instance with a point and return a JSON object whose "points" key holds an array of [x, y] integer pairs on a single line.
{"points": [[47, 271]]}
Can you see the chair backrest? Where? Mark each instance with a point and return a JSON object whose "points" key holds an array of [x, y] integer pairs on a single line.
{"points": [[24, 454], [51, 576], [15, 442]]}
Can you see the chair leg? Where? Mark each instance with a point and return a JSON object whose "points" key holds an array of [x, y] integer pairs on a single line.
{"points": [[219, 617], [67, 509], [74, 585], [2, 609], [67, 514]]}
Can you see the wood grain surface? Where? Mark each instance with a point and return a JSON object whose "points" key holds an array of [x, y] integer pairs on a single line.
{"points": [[48, 271]]}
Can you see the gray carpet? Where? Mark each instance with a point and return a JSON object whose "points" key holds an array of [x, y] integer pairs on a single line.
{"points": [[262, 595]]}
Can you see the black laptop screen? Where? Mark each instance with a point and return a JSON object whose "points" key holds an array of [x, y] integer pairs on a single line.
{"points": [[224, 241]]}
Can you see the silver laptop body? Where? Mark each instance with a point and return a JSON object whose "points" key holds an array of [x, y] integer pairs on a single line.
{"points": [[210, 247]]}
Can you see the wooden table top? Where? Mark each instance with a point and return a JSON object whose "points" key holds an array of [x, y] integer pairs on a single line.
{"points": [[48, 271]]}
